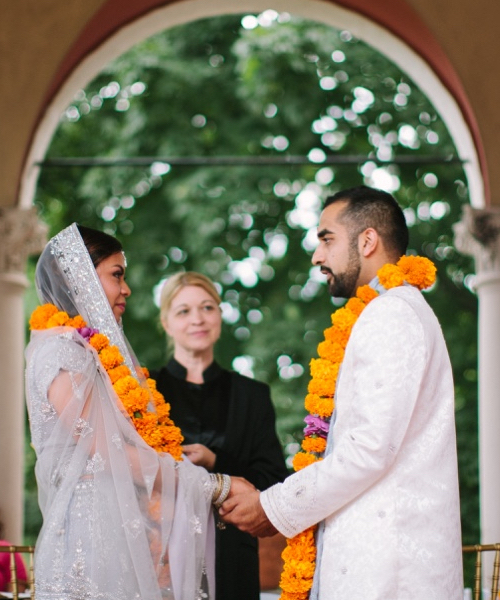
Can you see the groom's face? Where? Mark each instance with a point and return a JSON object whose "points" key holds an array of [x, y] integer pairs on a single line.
{"points": [[337, 254]]}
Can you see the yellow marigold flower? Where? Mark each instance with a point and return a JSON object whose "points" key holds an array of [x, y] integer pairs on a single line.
{"points": [[41, 315], [77, 322], [331, 351], [366, 293], [99, 341], [59, 319], [390, 276], [110, 357], [418, 270], [323, 369], [314, 444], [318, 405], [118, 372], [322, 387], [302, 460]]}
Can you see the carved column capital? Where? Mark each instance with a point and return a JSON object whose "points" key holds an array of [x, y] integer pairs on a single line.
{"points": [[21, 235], [477, 234]]}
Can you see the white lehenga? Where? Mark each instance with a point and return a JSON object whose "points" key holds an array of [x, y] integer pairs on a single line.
{"points": [[121, 522]]}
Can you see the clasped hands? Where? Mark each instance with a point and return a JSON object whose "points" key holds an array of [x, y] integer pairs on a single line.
{"points": [[243, 509], [242, 506]]}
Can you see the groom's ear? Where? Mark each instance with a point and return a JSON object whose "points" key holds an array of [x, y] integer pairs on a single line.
{"points": [[368, 242]]}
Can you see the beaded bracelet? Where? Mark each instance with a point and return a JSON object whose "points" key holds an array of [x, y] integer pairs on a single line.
{"points": [[221, 488]]}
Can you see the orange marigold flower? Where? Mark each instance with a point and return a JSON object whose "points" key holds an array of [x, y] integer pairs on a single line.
{"points": [[366, 293], [163, 410], [419, 271], [314, 444], [318, 405], [41, 315], [158, 398], [59, 319], [77, 322], [302, 460], [138, 396], [295, 583], [322, 387], [125, 384], [341, 336], [293, 596], [145, 370], [331, 351], [344, 319], [118, 373], [390, 276], [355, 305], [99, 341], [110, 357]]}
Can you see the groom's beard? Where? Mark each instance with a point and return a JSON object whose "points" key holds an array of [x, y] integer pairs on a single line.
{"points": [[343, 285]]}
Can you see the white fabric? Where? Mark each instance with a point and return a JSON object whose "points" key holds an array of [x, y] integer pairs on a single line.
{"points": [[388, 492], [121, 522]]}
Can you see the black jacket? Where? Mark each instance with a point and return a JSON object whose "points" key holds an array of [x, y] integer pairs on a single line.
{"points": [[248, 448]]}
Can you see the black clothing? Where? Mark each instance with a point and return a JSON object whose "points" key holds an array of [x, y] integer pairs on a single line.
{"points": [[233, 416]]}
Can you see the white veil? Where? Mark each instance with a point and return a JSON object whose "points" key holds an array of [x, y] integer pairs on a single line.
{"points": [[121, 522]]}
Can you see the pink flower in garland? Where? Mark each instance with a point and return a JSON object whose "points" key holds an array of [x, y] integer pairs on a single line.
{"points": [[87, 332], [316, 426]]}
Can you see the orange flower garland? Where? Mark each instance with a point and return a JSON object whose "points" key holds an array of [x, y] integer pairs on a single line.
{"points": [[300, 553], [156, 428]]}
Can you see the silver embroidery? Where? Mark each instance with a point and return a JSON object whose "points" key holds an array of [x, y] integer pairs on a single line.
{"points": [[95, 464], [196, 525], [82, 427], [133, 528], [69, 250], [117, 440]]}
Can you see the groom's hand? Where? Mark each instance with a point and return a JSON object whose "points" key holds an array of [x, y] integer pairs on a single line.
{"points": [[244, 510]]}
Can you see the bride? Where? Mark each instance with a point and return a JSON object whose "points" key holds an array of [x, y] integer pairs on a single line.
{"points": [[124, 516]]}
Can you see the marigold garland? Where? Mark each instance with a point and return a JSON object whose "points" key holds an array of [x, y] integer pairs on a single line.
{"points": [[300, 553], [156, 428]]}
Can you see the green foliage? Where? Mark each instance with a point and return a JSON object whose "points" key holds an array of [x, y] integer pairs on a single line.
{"points": [[288, 87]]}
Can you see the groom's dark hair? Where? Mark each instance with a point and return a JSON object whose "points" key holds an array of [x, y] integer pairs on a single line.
{"points": [[368, 207]]}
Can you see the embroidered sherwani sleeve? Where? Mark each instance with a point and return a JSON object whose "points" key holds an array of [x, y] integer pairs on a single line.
{"points": [[377, 391]]}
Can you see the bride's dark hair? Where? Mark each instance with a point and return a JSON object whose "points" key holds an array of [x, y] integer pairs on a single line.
{"points": [[99, 245]]}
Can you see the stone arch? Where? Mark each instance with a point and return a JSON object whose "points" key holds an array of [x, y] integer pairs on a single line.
{"points": [[391, 27]]}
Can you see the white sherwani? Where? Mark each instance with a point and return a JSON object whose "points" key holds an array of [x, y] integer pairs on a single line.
{"points": [[388, 491]]}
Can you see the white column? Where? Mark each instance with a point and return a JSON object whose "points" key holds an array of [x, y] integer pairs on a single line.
{"points": [[20, 235], [478, 235]]}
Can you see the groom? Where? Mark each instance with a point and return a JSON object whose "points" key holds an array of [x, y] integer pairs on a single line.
{"points": [[386, 494]]}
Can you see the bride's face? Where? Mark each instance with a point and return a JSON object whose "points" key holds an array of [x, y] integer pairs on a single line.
{"points": [[111, 272]]}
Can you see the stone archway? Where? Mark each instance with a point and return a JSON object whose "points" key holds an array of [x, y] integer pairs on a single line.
{"points": [[391, 28]]}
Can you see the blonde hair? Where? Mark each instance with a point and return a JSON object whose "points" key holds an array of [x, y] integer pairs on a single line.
{"points": [[177, 282]]}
